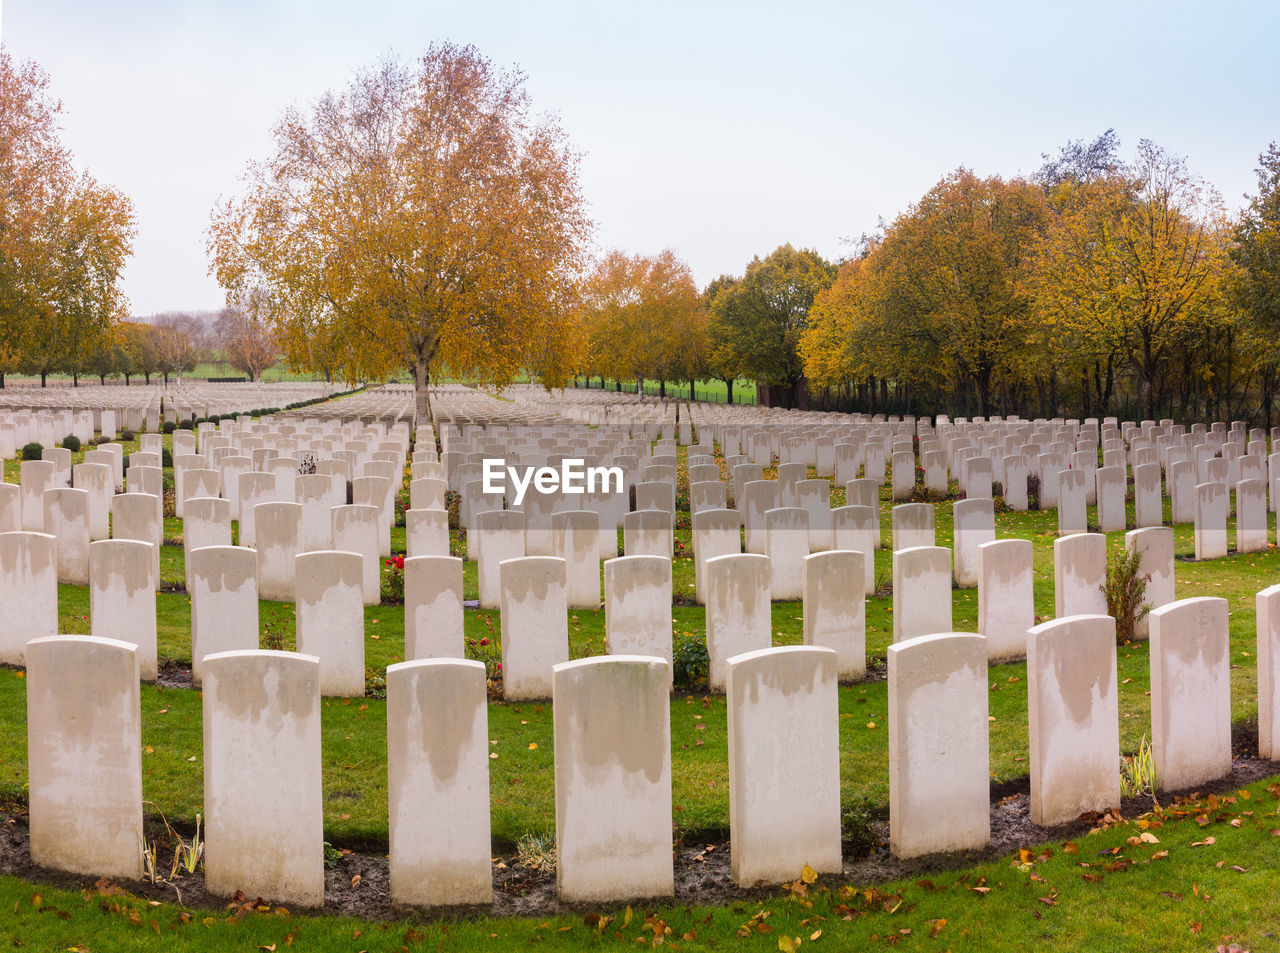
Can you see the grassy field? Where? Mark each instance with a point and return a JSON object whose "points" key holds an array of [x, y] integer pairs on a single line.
{"points": [[744, 391], [522, 791]]}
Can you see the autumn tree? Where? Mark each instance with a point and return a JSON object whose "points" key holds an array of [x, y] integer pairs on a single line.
{"points": [[640, 317], [759, 319], [245, 334], [64, 237], [138, 351], [175, 338], [1256, 252], [721, 362], [1132, 261], [421, 218]]}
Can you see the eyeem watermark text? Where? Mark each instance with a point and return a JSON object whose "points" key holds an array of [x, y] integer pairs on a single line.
{"points": [[574, 476]]}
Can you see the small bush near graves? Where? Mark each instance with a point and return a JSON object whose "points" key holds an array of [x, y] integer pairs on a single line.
{"points": [[855, 830], [71, 442], [126, 435], [1138, 772], [1125, 589], [690, 663], [537, 852], [187, 425], [32, 451], [169, 426], [1033, 492], [166, 458]]}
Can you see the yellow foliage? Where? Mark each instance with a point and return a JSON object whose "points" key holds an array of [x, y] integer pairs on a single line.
{"points": [[416, 219]]}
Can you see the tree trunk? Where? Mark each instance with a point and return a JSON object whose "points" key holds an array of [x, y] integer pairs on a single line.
{"points": [[103, 379], [75, 379], [44, 375], [422, 390]]}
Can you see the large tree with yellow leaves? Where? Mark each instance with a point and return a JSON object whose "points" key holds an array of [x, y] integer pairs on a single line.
{"points": [[419, 218]]}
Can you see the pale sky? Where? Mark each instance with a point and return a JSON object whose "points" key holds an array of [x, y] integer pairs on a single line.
{"points": [[721, 130]]}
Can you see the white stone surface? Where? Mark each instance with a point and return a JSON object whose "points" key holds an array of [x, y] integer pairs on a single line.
{"points": [[28, 592], [973, 524], [122, 603], [1079, 574], [84, 755], [224, 602], [438, 790], [1190, 693], [834, 609], [1073, 716], [433, 626], [330, 618], [939, 755], [264, 820], [783, 714], [739, 617], [535, 627], [921, 591], [613, 778], [637, 606], [1006, 596]]}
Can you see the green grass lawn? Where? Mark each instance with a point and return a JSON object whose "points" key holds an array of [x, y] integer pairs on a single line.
{"points": [[1014, 907]]}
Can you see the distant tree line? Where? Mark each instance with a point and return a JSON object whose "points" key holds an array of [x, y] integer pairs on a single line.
{"points": [[1095, 287]]}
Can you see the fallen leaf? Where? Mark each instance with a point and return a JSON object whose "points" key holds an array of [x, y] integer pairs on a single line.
{"points": [[533, 745]]}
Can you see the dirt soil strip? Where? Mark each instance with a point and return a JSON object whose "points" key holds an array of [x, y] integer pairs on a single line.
{"points": [[358, 885]]}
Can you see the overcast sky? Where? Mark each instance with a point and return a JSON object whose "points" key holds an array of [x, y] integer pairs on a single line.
{"points": [[721, 130]]}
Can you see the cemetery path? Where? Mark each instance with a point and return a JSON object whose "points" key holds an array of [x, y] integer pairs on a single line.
{"points": [[359, 884]]}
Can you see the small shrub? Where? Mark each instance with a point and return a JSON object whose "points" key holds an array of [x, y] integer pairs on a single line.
{"points": [[1033, 492], [166, 458], [856, 831], [307, 465], [32, 451], [451, 503], [71, 442], [187, 425], [690, 664], [1138, 772], [272, 640], [375, 683], [332, 856], [393, 580], [169, 426], [1125, 589], [126, 435], [537, 852]]}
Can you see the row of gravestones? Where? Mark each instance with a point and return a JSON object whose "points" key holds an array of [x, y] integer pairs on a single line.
{"points": [[262, 755], [234, 490], [47, 419]]}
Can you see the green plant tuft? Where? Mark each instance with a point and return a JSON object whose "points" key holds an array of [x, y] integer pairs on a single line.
{"points": [[1125, 589]]}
